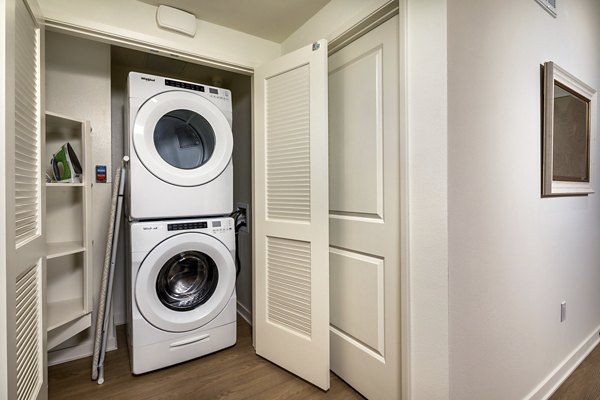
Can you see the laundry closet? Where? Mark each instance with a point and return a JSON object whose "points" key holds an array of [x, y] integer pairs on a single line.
{"points": [[105, 69], [358, 230]]}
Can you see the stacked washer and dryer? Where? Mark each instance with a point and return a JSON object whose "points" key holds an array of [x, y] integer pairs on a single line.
{"points": [[181, 269]]}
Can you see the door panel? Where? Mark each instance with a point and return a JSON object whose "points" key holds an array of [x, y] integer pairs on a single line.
{"points": [[23, 354], [357, 297], [364, 213], [356, 172], [291, 281]]}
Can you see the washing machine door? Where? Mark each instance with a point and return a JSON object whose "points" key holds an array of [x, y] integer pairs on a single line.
{"points": [[185, 282], [182, 138]]}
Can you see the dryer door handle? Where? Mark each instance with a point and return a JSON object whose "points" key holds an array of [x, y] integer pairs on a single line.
{"points": [[190, 340]]}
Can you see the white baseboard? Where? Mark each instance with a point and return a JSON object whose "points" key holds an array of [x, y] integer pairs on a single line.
{"points": [[552, 382], [120, 318], [244, 313]]}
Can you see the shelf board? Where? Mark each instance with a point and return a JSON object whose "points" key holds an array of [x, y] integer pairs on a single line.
{"points": [[62, 312], [63, 184], [59, 249], [60, 122], [66, 331]]}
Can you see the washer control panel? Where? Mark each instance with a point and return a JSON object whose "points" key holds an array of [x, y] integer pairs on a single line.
{"points": [[187, 226], [147, 234]]}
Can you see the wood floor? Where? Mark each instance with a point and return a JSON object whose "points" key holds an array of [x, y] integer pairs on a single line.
{"points": [[584, 382], [234, 373], [237, 373]]}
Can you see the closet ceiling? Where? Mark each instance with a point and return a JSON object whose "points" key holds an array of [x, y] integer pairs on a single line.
{"points": [[273, 20]]}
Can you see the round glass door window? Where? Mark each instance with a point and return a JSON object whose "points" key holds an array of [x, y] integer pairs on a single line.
{"points": [[187, 280], [184, 139]]}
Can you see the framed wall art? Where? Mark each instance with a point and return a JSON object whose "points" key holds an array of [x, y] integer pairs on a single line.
{"points": [[569, 125]]}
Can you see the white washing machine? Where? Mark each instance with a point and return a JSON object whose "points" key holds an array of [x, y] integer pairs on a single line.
{"points": [[180, 144], [181, 290]]}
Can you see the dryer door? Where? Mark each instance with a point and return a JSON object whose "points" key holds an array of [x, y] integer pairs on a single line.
{"points": [[185, 282], [182, 138]]}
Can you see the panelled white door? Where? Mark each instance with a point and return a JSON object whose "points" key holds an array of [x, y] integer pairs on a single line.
{"points": [[291, 266], [364, 202], [22, 330]]}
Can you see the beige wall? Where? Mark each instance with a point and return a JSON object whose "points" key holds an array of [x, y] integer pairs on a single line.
{"points": [[331, 21], [131, 19]]}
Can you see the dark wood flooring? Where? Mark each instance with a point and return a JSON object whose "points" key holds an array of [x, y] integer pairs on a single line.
{"points": [[234, 373], [584, 382], [238, 373]]}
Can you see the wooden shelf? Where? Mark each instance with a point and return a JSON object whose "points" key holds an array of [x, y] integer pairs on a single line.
{"points": [[69, 246], [69, 329], [60, 249], [61, 312], [63, 184]]}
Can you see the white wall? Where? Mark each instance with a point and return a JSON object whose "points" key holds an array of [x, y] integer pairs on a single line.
{"points": [[78, 85], [135, 20], [427, 190], [513, 255]]}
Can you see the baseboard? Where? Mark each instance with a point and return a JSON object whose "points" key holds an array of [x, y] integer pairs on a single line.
{"points": [[549, 385], [244, 313], [120, 318]]}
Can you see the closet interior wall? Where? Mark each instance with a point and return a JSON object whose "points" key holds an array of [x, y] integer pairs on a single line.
{"points": [[77, 78]]}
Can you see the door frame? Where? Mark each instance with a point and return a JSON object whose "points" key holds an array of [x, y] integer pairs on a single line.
{"points": [[363, 23]]}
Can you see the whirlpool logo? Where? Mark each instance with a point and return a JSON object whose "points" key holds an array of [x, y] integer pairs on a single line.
{"points": [[148, 79]]}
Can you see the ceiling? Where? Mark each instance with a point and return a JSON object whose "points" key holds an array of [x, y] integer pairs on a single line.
{"points": [[273, 20]]}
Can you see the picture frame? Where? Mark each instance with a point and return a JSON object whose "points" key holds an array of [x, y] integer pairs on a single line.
{"points": [[569, 126]]}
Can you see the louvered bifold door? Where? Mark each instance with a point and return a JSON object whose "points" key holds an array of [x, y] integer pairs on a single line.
{"points": [[27, 128], [24, 233], [291, 313]]}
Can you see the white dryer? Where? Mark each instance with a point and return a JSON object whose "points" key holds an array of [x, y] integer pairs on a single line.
{"points": [[180, 144], [181, 290]]}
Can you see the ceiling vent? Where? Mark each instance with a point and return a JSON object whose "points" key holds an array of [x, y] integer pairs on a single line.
{"points": [[550, 6]]}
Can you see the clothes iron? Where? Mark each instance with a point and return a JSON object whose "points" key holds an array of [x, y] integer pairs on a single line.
{"points": [[65, 165]]}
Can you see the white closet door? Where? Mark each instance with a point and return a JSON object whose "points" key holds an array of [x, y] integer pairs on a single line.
{"points": [[23, 354], [364, 189], [291, 287]]}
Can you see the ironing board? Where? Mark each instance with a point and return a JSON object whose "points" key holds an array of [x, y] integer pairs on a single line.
{"points": [[102, 318]]}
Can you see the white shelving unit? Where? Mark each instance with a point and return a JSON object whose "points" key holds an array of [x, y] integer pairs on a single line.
{"points": [[68, 216]]}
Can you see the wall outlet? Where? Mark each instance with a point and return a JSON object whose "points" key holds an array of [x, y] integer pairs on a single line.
{"points": [[246, 208], [563, 311]]}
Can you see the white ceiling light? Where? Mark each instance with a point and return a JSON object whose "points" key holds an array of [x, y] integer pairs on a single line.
{"points": [[176, 20]]}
